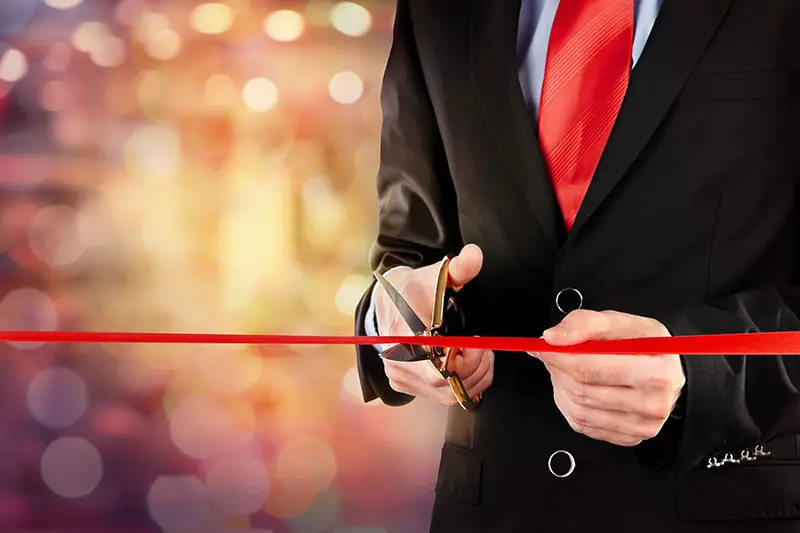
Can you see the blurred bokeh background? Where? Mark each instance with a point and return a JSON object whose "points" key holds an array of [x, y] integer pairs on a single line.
{"points": [[173, 165]]}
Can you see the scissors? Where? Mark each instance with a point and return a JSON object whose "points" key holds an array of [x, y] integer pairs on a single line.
{"points": [[447, 319]]}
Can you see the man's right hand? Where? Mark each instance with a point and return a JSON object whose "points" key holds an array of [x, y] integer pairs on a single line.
{"points": [[475, 367]]}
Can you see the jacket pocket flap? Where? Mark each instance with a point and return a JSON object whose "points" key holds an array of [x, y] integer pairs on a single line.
{"points": [[749, 492], [460, 473]]}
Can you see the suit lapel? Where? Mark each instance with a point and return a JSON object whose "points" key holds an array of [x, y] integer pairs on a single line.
{"points": [[493, 51], [681, 33]]}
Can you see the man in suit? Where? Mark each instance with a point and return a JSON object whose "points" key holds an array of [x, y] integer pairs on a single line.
{"points": [[600, 169]]}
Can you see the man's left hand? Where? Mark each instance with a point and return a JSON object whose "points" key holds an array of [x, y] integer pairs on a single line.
{"points": [[621, 399]]}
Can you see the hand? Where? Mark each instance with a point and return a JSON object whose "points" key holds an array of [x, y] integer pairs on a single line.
{"points": [[621, 399], [475, 367]]}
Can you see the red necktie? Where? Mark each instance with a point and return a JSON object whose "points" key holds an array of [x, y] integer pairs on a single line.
{"points": [[586, 76]]}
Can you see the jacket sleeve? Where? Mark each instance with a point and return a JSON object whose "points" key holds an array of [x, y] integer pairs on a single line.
{"points": [[417, 213], [735, 402]]}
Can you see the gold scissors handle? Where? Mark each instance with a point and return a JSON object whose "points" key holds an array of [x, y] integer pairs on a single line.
{"points": [[454, 380], [440, 357], [447, 319]]}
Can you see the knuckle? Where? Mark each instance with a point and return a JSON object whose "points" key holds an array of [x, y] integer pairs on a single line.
{"points": [[580, 416], [577, 428], [579, 394], [585, 372], [649, 433], [657, 381], [655, 407]]}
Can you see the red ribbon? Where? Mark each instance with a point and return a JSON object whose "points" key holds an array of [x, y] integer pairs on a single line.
{"points": [[781, 343]]}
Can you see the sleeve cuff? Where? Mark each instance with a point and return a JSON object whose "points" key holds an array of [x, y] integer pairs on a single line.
{"points": [[370, 320]]}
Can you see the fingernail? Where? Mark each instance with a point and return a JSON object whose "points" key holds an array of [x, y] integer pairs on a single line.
{"points": [[560, 330], [535, 354]]}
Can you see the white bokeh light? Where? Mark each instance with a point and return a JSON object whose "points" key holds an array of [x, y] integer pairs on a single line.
{"points": [[260, 94], [71, 467], [110, 54], [238, 485], [346, 87], [62, 4], [154, 150], [179, 504], [350, 293], [13, 65], [284, 25], [57, 397], [351, 19]]}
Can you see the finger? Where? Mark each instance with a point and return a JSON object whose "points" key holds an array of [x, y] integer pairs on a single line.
{"points": [[419, 374], [621, 399], [433, 378], [622, 427], [465, 266], [619, 439], [484, 383], [467, 362], [610, 370], [638, 371], [583, 325], [399, 383], [485, 359]]}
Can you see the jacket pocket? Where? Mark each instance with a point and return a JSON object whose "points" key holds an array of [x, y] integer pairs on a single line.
{"points": [[460, 474], [767, 490]]}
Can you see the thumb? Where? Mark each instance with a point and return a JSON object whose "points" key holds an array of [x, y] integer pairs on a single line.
{"points": [[466, 265]]}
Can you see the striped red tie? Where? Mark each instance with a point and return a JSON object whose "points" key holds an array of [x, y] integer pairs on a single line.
{"points": [[586, 76]]}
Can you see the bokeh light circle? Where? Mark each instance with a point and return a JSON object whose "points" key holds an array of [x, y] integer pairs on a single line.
{"points": [[351, 386], [13, 65], [308, 463], [179, 503], [346, 87], [284, 25], [62, 4], [57, 397], [154, 150], [238, 485], [55, 237], [350, 293], [71, 467], [351, 19], [200, 427], [27, 309], [260, 94], [212, 18]]}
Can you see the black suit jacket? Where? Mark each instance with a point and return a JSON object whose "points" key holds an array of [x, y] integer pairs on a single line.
{"points": [[693, 217]]}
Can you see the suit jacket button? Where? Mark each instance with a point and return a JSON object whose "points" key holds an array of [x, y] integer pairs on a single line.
{"points": [[565, 466], [568, 300]]}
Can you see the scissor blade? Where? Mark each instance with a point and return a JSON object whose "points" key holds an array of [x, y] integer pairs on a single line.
{"points": [[411, 318]]}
